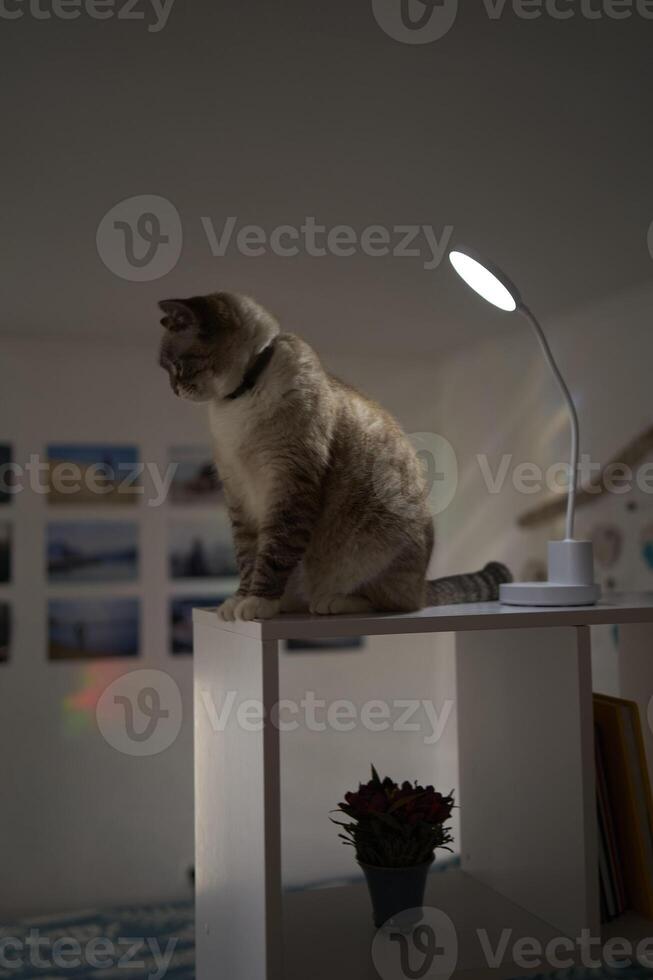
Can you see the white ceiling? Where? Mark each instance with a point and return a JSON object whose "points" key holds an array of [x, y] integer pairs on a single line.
{"points": [[532, 138]]}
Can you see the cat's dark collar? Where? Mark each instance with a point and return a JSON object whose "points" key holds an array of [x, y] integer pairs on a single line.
{"points": [[253, 372]]}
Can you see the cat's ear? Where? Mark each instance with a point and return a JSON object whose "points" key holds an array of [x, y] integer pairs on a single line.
{"points": [[177, 315], [223, 306]]}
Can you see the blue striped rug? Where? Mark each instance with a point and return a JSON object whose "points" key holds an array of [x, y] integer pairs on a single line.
{"points": [[131, 943]]}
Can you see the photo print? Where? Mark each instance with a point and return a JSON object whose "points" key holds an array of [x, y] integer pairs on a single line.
{"points": [[92, 551], [181, 619], [83, 629], [195, 479], [202, 549], [93, 474]]}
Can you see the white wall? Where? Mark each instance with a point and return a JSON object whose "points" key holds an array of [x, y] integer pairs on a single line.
{"points": [[81, 823]]}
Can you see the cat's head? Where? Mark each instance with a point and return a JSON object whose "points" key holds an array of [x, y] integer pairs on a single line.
{"points": [[210, 341]]}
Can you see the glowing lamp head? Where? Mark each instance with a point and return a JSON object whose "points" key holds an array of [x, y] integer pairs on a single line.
{"points": [[485, 279]]}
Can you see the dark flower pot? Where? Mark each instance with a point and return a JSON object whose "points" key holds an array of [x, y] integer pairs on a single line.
{"points": [[394, 890]]}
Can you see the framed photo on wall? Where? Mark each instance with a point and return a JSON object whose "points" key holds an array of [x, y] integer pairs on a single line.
{"points": [[6, 536], [6, 475], [93, 474], [92, 551], [92, 629], [202, 549], [181, 619], [5, 631], [195, 479]]}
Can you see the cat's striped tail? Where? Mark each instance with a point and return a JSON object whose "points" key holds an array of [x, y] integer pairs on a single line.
{"points": [[480, 586]]}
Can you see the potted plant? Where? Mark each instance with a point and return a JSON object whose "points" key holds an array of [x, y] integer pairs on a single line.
{"points": [[395, 831]]}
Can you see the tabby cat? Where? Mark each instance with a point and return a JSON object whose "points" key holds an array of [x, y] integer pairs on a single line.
{"points": [[325, 492]]}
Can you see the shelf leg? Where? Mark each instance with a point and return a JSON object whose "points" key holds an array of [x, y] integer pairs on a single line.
{"points": [[237, 808], [527, 788]]}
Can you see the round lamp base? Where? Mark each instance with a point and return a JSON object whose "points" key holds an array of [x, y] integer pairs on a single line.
{"points": [[548, 594]]}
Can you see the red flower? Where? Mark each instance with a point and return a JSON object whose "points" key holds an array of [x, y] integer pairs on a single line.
{"points": [[407, 804], [396, 825]]}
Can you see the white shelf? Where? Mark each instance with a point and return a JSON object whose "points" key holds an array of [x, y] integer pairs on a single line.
{"points": [[635, 608], [528, 837], [329, 933]]}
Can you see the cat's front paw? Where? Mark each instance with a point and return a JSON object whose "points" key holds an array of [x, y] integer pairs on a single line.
{"points": [[257, 607], [226, 612], [337, 605]]}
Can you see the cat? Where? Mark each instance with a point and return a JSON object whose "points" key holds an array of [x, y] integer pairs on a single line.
{"points": [[325, 492]]}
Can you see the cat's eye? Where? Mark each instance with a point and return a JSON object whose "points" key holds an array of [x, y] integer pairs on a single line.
{"points": [[189, 365]]}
